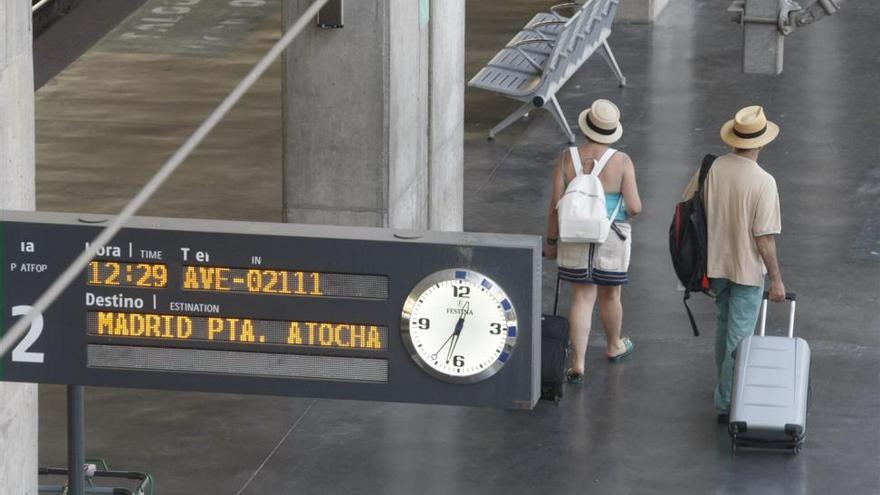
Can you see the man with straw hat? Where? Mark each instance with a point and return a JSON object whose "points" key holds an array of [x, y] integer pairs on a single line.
{"points": [[742, 216]]}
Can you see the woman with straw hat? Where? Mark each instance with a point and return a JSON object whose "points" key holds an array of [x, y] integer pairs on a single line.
{"points": [[596, 270]]}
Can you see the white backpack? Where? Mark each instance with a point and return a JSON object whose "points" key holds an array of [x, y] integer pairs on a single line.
{"points": [[583, 216]]}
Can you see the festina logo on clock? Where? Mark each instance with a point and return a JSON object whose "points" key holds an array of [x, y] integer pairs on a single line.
{"points": [[459, 326]]}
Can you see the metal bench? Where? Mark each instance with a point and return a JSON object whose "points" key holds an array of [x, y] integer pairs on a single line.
{"points": [[541, 58]]}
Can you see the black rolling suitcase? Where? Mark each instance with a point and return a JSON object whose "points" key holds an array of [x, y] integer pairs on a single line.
{"points": [[554, 353]]}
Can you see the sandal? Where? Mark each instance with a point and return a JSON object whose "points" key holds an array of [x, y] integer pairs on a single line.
{"points": [[574, 378], [628, 344]]}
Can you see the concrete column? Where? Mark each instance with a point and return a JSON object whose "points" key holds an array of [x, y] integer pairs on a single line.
{"points": [[407, 104], [364, 143], [446, 177], [762, 42], [640, 11], [18, 402]]}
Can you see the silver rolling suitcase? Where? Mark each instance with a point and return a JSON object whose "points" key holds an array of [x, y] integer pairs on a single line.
{"points": [[771, 388]]}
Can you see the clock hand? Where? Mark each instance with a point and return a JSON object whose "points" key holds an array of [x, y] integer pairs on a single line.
{"points": [[434, 356], [451, 350], [457, 333], [453, 337]]}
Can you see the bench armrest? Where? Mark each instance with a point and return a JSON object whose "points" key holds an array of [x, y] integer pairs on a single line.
{"points": [[572, 6]]}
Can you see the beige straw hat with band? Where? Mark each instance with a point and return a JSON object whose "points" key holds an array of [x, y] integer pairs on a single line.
{"points": [[749, 129], [601, 122]]}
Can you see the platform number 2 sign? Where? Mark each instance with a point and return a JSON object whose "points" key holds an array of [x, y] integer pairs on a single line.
{"points": [[21, 353]]}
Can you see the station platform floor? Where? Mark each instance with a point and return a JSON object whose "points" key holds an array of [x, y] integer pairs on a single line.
{"points": [[647, 425]]}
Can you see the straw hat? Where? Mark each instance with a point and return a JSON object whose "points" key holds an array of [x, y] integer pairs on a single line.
{"points": [[749, 129], [601, 122]]}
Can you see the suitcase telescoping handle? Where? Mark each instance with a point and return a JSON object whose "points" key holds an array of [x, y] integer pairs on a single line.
{"points": [[789, 296], [556, 299]]}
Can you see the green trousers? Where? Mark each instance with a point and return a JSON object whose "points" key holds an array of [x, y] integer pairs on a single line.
{"points": [[736, 309]]}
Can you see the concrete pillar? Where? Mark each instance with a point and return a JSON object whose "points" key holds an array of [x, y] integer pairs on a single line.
{"points": [[640, 11], [446, 124], [18, 402], [762, 42], [368, 137]]}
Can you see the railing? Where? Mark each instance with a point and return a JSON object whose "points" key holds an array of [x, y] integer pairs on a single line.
{"points": [[45, 12], [39, 4]]}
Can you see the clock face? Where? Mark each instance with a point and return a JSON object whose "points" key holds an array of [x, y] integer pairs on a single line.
{"points": [[459, 326]]}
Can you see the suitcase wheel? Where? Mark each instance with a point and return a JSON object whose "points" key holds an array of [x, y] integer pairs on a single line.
{"points": [[737, 427], [796, 432], [796, 450]]}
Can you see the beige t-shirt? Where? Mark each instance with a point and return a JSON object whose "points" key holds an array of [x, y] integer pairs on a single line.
{"points": [[741, 203]]}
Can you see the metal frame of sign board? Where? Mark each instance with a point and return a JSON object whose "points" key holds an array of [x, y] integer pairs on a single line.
{"points": [[46, 243]]}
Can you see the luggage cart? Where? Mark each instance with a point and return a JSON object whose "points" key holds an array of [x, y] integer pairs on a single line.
{"points": [[98, 477], [82, 480]]}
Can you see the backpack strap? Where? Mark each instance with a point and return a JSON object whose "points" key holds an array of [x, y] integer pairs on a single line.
{"points": [[613, 216], [599, 165], [708, 160], [687, 295], [576, 161]]}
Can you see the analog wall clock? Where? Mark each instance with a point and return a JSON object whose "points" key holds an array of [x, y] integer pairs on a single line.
{"points": [[459, 326]]}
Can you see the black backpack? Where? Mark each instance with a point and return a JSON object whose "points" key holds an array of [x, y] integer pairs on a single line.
{"points": [[688, 241]]}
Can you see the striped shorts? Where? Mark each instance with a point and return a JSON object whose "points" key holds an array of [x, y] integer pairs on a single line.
{"points": [[600, 264]]}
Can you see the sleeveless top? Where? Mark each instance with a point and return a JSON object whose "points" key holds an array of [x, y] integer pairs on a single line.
{"points": [[611, 200]]}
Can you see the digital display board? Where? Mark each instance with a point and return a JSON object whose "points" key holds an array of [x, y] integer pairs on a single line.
{"points": [[296, 310]]}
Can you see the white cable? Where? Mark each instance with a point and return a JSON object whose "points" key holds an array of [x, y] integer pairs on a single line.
{"points": [[61, 283], [277, 446]]}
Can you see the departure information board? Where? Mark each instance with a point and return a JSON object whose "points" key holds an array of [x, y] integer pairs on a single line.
{"points": [[279, 309]]}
